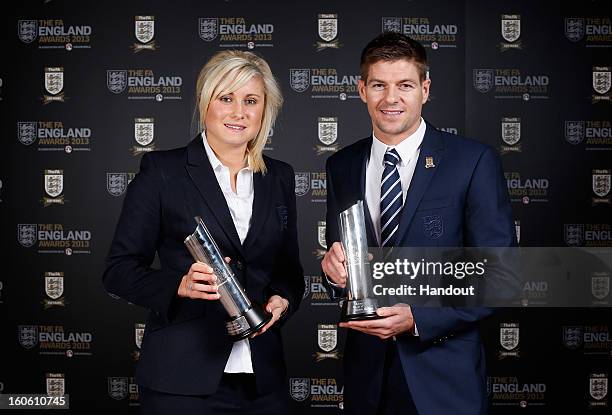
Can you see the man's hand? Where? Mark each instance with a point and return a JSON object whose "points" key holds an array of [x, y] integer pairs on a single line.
{"points": [[276, 306], [334, 265], [396, 320]]}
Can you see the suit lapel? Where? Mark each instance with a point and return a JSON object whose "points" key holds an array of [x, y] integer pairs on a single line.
{"points": [[201, 172], [358, 169], [261, 209], [432, 146]]}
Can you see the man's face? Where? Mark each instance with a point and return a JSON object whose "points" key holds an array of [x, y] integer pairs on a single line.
{"points": [[394, 95]]}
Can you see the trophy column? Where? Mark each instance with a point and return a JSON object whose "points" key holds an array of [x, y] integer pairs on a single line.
{"points": [[245, 317], [360, 303]]}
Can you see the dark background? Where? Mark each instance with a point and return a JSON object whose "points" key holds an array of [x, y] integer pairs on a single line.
{"points": [[543, 359]]}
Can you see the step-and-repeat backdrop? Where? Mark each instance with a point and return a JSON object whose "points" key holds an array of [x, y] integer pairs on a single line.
{"points": [[86, 88]]}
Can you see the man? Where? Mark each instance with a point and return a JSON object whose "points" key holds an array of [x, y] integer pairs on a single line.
{"points": [[421, 187]]}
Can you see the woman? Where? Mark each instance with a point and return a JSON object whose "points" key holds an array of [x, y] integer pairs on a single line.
{"points": [[247, 200]]}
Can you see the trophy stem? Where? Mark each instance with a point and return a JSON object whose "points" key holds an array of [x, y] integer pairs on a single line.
{"points": [[245, 317], [360, 303]]}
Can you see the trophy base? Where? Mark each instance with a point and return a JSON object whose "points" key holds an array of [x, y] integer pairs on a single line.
{"points": [[249, 322], [364, 309]]}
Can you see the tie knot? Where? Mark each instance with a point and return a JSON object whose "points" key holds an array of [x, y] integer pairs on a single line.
{"points": [[392, 158]]}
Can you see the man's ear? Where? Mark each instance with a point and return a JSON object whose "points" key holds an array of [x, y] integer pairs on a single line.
{"points": [[361, 87]]}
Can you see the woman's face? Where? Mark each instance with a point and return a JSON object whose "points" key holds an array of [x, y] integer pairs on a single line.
{"points": [[233, 119]]}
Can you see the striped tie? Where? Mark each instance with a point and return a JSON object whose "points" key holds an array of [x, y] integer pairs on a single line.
{"points": [[390, 198]]}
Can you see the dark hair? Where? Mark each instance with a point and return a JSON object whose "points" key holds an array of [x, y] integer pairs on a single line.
{"points": [[391, 46]]}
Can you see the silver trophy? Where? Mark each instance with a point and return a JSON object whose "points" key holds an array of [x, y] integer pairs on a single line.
{"points": [[360, 303], [245, 318]]}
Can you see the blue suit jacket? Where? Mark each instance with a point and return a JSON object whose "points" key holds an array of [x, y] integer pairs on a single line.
{"points": [[185, 346], [466, 191]]}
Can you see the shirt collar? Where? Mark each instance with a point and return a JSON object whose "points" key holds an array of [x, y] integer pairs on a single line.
{"points": [[212, 157], [407, 148]]}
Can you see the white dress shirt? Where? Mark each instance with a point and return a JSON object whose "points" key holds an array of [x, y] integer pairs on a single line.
{"points": [[241, 208], [408, 150]]}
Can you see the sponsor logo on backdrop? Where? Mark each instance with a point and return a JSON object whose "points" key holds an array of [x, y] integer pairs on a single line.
{"points": [[596, 32], [509, 336], [139, 329], [602, 83], [144, 31], [56, 384], [327, 133], [510, 32], [600, 287], [526, 190], [424, 30], [598, 390], [54, 85], [319, 252], [144, 84], [324, 83], [508, 391], [327, 340], [144, 133], [517, 229], [327, 25], [54, 34], [54, 187], [52, 238], [596, 135], [590, 339], [53, 136], [535, 292], [55, 340], [601, 184], [511, 135], [511, 83], [588, 234], [120, 388], [54, 289], [318, 392], [236, 32], [315, 289], [268, 146], [116, 183], [313, 184]]}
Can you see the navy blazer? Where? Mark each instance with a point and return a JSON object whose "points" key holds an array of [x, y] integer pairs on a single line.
{"points": [[466, 193], [185, 345]]}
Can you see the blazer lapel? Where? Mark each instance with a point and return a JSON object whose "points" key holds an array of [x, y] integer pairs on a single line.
{"points": [[261, 209], [431, 151], [358, 169], [201, 172]]}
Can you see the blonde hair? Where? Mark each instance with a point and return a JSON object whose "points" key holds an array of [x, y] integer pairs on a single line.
{"points": [[228, 71]]}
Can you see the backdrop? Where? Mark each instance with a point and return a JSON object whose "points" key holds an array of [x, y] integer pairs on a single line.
{"points": [[88, 87]]}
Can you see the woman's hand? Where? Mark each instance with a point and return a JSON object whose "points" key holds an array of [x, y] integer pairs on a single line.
{"points": [[277, 306], [199, 283]]}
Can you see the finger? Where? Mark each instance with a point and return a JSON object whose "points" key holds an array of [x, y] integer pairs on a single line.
{"points": [[338, 251], [373, 332], [204, 277], [273, 306], [266, 327], [201, 267], [204, 288], [205, 296], [228, 259], [371, 324], [387, 311]]}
